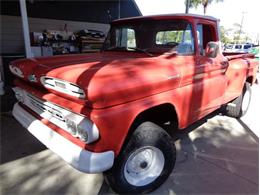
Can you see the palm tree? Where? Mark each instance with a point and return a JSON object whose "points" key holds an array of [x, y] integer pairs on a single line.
{"points": [[205, 4], [196, 3]]}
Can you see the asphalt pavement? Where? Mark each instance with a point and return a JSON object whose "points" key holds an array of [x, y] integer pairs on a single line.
{"points": [[218, 155]]}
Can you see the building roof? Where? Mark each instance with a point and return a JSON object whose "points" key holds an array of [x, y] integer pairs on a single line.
{"points": [[99, 11]]}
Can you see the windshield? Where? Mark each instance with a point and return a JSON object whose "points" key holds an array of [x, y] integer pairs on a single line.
{"points": [[151, 37]]}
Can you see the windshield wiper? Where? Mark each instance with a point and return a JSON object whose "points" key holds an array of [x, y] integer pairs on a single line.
{"points": [[115, 48], [139, 49], [126, 48]]}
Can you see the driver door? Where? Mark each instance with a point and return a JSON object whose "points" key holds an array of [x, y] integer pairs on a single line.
{"points": [[209, 74]]}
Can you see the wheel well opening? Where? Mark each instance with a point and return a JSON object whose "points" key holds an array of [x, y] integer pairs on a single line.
{"points": [[163, 115], [250, 80]]}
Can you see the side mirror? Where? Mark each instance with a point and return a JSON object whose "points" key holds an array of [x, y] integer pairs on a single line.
{"points": [[212, 49]]}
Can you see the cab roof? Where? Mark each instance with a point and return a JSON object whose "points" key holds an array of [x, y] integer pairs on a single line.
{"points": [[165, 17]]}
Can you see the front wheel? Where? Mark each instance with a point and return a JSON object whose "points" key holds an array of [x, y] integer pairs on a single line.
{"points": [[144, 163]]}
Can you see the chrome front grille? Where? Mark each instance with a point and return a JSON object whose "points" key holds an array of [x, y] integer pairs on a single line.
{"points": [[46, 108], [75, 124]]}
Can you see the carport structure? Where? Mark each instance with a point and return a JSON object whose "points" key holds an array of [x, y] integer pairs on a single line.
{"points": [[20, 17], [106, 9]]}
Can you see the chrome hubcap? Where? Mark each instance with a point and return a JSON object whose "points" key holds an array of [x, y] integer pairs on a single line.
{"points": [[144, 166]]}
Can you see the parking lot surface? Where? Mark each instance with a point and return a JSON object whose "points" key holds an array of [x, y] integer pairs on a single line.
{"points": [[218, 155]]}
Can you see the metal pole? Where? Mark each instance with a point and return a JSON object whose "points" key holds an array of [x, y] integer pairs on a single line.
{"points": [[119, 9], [240, 30], [26, 36], [187, 6]]}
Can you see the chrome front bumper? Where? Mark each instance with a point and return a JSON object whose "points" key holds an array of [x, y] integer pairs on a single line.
{"points": [[77, 157]]}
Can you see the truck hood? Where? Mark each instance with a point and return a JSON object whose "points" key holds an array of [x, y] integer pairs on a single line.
{"points": [[108, 78]]}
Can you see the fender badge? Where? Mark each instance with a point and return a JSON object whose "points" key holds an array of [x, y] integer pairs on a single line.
{"points": [[170, 77], [32, 78]]}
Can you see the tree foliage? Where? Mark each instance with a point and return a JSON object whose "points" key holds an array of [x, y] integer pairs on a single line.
{"points": [[233, 35], [224, 35], [204, 3]]}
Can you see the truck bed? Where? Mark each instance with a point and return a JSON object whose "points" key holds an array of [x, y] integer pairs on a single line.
{"points": [[232, 55]]}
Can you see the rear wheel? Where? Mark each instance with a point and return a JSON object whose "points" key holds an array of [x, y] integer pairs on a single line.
{"points": [[144, 163], [239, 106]]}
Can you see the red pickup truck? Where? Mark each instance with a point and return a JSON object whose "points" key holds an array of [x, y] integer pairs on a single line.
{"points": [[107, 111]]}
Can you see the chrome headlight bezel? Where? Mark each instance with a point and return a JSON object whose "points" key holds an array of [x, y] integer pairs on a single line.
{"points": [[85, 130], [18, 94]]}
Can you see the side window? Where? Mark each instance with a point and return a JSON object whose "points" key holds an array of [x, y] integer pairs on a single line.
{"points": [[180, 39], [200, 38], [125, 37], [205, 34]]}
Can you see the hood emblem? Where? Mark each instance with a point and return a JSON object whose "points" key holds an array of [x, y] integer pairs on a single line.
{"points": [[32, 78]]}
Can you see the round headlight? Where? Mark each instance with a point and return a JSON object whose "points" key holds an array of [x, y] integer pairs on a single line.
{"points": [[87, 131], [18, 94], [83, 134], [82, 128], [71, 127]]}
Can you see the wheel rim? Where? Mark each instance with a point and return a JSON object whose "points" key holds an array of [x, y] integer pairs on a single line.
{"points": [[144, 166], [246, 101]]}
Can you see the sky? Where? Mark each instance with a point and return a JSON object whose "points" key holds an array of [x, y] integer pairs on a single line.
{"points": [[228, 11]]}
